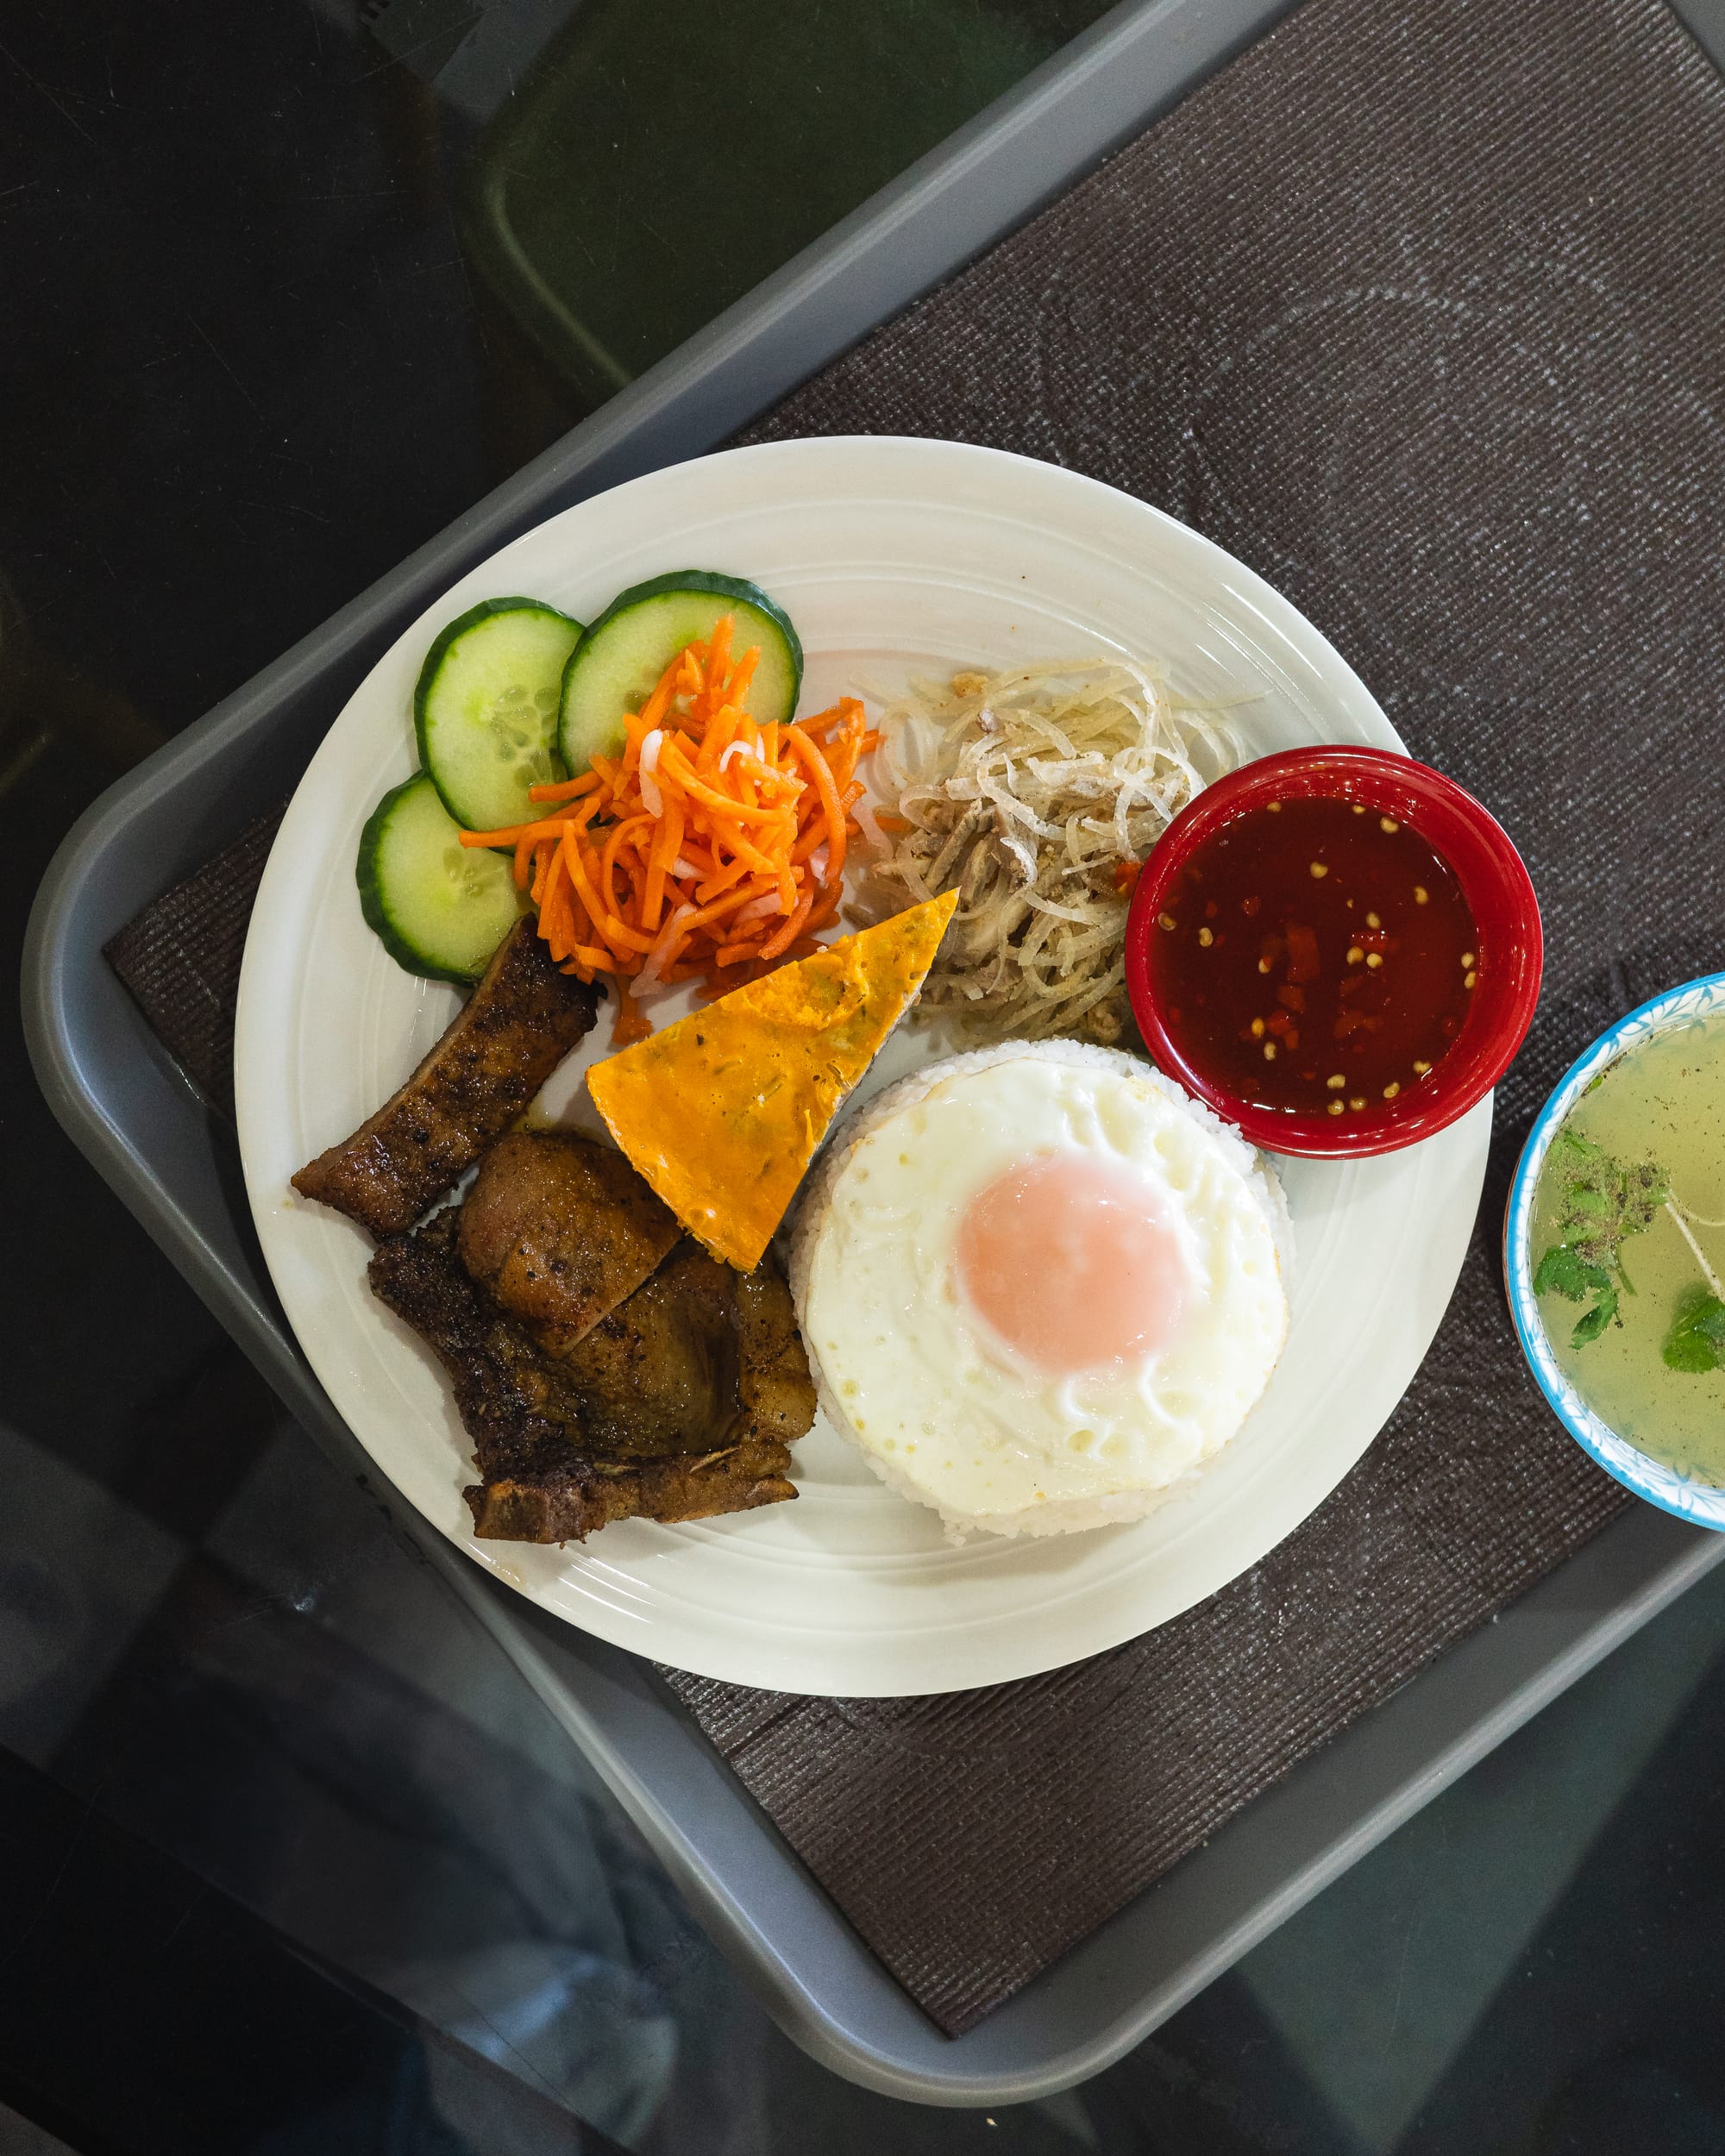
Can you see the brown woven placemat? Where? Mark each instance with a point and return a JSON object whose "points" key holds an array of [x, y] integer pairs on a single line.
{"points": [[1416, 309], [180, 958]]}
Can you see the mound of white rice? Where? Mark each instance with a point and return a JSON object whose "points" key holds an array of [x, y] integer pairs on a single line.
{"points": [[1057, 1513]]}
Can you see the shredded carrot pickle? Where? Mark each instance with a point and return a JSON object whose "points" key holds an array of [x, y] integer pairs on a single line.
{"points": [[712, 849]]}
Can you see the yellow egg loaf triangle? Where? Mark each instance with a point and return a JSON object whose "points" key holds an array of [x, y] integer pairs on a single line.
{"points": [[723, 1110]]}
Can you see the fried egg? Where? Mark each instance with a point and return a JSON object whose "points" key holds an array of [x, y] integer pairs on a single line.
{"points": [[1040, 1287]]}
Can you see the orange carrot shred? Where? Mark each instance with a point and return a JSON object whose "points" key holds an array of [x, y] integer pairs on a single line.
{"points": [[792, 929], [629, 1023], [633, 870], [564, 790]]}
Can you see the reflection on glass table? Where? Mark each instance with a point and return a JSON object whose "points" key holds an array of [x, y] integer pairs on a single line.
{"points": [[625, 169], [256, 1679], [611, 225]]}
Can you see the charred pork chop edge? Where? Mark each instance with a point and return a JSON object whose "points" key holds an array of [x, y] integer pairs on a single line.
{"points": [[431, 1132]]}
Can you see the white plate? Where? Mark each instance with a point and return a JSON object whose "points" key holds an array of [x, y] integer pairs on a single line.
{"points": [[883, 552]]}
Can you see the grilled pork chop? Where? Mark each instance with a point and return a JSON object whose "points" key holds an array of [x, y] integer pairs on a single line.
{"points": [[680, 1405], [561, 1230], [700, 1354], [504, 1042]]}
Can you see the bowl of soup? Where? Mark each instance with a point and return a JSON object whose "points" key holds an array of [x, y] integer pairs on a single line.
{"points": [[1613, 1251]]}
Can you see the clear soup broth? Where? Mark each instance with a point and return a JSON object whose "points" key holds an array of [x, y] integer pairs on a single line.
{"points": [[1628, 1247]]}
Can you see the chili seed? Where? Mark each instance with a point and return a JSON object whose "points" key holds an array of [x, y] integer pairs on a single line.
{"points": [[1466, 961], [1258, 1029], [1421, 1069], [1359, 808], [1468, 979], [1355, 953], [1388, 824], [1374, 958], [1357, 1101], [1319, 868], [1166, 920], [1392, 1089], [1263, 965], [1273, 805], [1420, 895], [1372, 921], [1337, 1082], [1335, 1107], [1205, 938], [1269, 1051]]}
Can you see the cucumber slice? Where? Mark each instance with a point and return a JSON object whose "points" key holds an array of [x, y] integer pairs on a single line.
{"points": [[441, 908], [616, 664], [486, 708]]}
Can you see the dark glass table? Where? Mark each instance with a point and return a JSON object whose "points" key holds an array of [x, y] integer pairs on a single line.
{"points": [[294, 1859]]}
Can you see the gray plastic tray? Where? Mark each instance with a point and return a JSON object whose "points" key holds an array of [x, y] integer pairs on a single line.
{"points": [[135, 1117]]}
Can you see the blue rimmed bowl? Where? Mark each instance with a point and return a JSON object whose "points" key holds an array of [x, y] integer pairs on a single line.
{"points": [[1701, 1502]]}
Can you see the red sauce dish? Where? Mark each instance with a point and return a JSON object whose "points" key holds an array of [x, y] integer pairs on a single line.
{"points": [[1336, 949]]}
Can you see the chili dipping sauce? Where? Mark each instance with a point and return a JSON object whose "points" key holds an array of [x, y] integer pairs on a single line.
{"points": [[1315, 957]]}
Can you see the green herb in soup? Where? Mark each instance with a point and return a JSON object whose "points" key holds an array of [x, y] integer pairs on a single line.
{"points": [[1696, 1338], [1597, 1202], [1629, 1229]]}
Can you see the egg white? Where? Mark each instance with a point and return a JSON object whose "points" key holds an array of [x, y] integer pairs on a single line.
{"points": [[940, 1407]]}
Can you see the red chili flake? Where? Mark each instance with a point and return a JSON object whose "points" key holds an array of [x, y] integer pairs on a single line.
{"points": [[1248, 907], [1302, 953], [1291, 999], [1126, 874], [1278, 1023]]}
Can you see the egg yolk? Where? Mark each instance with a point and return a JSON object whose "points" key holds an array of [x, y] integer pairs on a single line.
{"points": [[1071, 1263]]}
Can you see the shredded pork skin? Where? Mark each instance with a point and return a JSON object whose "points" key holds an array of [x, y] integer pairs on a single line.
{"points": [[1036, 791]]}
